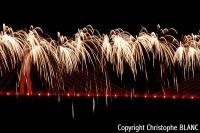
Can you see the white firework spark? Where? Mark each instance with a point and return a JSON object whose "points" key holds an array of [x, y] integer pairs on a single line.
{"points": [[187, 55], [37, 51], [10, 49], [89, 49]]}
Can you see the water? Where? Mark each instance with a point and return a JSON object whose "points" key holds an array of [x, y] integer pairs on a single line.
{"points": [[92, 114]]}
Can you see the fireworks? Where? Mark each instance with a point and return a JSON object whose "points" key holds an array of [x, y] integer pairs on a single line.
{"points": [[187, 55], [56, 62], [10, 49]]}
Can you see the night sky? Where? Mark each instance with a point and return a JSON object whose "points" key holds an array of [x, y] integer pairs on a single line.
{"points": [[103, 16], [67, 17]]}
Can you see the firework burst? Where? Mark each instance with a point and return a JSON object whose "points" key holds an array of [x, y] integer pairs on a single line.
{"points": [[10, 49], [187, 55], [88, 52], [40, 53]]}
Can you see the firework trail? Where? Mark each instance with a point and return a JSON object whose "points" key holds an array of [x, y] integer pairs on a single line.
{"points": [[120, 51], [10, 49], [187, 55], [55, 62], [38, 51]]}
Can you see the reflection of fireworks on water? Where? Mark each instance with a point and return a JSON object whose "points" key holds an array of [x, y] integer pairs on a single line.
{"points": [[89, 55]]}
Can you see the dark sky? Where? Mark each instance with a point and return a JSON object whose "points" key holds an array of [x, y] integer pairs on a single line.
{"points": [[68, 16]]}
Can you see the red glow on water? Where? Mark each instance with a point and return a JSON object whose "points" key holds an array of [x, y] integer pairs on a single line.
{"points": [[174, 97]]}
